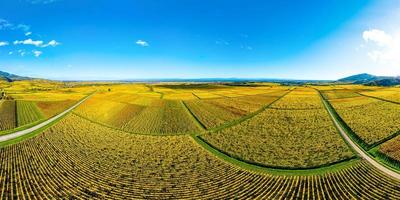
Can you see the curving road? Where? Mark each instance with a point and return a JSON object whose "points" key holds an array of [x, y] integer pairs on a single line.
{"points": [[14, 135], [359, 150]]}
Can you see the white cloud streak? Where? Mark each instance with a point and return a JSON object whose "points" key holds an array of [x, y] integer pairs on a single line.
{"points": [[29, 41], [37, 53], [6, 25], [142, 43], [3, 43], [52, 43], [37, 43], [41, 1]]}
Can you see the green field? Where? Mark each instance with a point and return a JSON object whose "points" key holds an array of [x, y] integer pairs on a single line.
{"points": [[27, 112]]}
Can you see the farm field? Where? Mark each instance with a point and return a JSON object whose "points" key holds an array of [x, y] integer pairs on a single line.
{"points": [[7, 114], [29, 102], [94, 161], [218, 111], [141, 141], [391, 94], [391, 150], [27, 112], [289, 134], [371, 119]]}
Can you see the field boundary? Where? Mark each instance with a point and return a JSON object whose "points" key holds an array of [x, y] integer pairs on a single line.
{"points": [[275, 170], [125, 131], [247, 117], [343, 124], [378, 98], [383, 167], [15, 135], [197, 121], [350, 131], [385, 158]]}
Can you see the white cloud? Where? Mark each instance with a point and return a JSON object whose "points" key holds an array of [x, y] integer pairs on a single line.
{"points": [[10, 53], [41, 1], [142, 43], [221, 42], [37, 53], [6, 25], [37, 43], [29, 41], [377, 36], [21, 52], [52, 43], [28, 33], [382, 47], [3, 43]]}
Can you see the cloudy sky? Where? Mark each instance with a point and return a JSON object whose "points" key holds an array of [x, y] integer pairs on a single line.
{"points": [[309, 39]]}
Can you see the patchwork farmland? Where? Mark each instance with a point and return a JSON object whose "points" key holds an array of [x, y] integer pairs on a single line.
{"points": [[199, 141]]}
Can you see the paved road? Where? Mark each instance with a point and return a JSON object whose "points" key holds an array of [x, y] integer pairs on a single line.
{"points": [[34, 128], [360, 151]]}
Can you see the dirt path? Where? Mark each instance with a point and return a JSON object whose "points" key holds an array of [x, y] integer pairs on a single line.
{"points": [[358, 149], [17, 134]]}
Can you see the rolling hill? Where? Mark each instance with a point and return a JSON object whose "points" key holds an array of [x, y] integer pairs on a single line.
{"points": [[369, 79], [12, 77]]}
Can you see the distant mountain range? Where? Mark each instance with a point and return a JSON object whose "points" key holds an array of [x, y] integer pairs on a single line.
{"points": [[368, 79], [364, 78], [12, 77]]}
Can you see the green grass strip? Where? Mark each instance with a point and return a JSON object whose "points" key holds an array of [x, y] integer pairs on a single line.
{"points": [[20, 128], [273, 170], [30, 135], [197, 120], [385, 159]]}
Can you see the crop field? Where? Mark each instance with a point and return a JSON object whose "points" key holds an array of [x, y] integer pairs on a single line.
{"points": [[391, 149], [93, 161], [7, 115], [27, 112], [295, 136], [298, 99], [371, 119], [165, 117], [52, 108], [391, 94], [195, 141], [339, 94], [218, 111], [109, 112]]}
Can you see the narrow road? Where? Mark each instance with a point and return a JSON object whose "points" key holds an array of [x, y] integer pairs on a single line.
{"points": [[17, 134], [359, 150]]}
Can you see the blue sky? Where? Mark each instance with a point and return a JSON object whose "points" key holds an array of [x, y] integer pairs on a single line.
{"points": [[101, 39]]}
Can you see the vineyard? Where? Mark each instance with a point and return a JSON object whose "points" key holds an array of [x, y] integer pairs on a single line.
{"points": [[218, 111], [371, 119], [27, 112], [93, 161], [391, 149], [7, 114], [291, 137], [198, 141], [51, 108]]}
